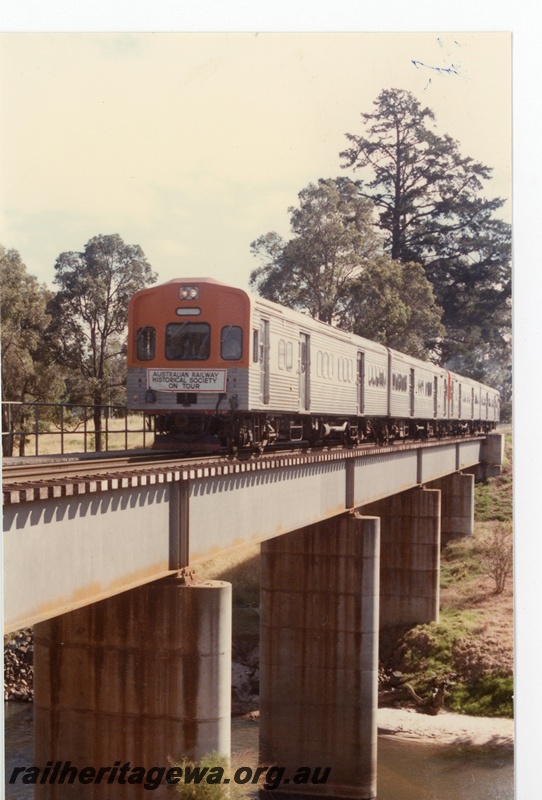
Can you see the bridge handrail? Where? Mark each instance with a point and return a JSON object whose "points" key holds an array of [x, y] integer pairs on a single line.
{"points": [[23, 421]]}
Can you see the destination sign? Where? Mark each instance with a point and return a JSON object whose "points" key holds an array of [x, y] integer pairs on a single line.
{"points": [[187, 380]]}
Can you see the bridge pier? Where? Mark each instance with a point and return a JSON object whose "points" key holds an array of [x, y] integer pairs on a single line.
{"points": [[457, 506], [319, 655], [140, 678], [409, 556], [492, 455]]}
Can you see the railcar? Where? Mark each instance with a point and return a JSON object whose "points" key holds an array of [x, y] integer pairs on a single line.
{"points": [[220, 368]]}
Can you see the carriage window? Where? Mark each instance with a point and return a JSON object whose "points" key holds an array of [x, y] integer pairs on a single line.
{"points": [[231, 343], [255, 345], [145, 343], [289, 355], [188, 341], [282, 353]]}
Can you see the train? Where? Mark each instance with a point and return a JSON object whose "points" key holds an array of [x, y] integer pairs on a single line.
{"points": [[222, 369]]}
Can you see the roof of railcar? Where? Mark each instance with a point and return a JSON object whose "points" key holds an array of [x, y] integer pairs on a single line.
{"points": [[316, 324]]}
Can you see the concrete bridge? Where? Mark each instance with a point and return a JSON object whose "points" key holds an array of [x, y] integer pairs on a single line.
{"points": [[132, 654]]}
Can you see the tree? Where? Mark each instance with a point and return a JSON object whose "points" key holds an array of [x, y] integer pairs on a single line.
{"points": [[425, 190], [28, 373], [334, 269], [431, 211], [90, 314], [475, 292], [394, 304], [333, 241]]}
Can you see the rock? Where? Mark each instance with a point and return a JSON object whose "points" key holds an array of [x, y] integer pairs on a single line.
{"points": [[18, 666], [244, 688]]}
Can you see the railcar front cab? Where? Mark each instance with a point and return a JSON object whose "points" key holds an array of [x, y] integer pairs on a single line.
{"points": [[188, 360]]}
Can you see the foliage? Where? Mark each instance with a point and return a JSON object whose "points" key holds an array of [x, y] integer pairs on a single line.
{"points": [[432, 211], [506, 411], [333, 268], [28, 373], [333, 242], [394, 304], [472, 281], [23, 303], [90, 314], [427, 193], [489, 695], [213, 763]]}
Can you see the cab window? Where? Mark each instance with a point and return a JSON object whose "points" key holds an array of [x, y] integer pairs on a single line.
{"points": [[188, 341], [231, 343]]}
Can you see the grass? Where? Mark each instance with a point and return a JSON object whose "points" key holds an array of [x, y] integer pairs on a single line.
{"points": [[473, 643], [494, 497], [50, 440]]}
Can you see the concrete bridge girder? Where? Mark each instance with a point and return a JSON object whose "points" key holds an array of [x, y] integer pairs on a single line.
{"points": [[64, 553]]}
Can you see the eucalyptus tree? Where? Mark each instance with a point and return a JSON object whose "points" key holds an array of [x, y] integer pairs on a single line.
{"points": [[432, 209], [425, 190], [333, 241], [333, 268], [28, 371], [90, 314], [394, 304]]}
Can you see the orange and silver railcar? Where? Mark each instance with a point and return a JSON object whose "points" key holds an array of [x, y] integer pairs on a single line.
{"points": [[219, 368]]}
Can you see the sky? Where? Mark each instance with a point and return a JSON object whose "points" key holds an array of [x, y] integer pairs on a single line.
{"points": [[192, 145]]}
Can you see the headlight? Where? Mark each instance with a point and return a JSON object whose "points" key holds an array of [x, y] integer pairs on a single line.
{"points": [[188, 292]]}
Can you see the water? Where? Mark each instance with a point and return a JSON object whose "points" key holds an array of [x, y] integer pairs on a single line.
{"points": [[405, 771], [19, 745]]}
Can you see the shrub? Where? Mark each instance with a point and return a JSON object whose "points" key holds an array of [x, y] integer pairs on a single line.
{"points": [[498, 552], [208, 777], [489, 695]]}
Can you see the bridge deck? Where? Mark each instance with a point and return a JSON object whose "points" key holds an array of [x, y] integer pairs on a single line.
{"points": [[65, 549]]}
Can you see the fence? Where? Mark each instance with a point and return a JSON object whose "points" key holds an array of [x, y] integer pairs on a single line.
{"points": [[54, 428]]}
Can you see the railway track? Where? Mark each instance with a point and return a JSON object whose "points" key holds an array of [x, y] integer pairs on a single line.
{"points": [[62, 468], [43, 469], [40, 479]]}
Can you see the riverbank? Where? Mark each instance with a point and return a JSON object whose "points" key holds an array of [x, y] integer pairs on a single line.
{"points": [[446, 728], [18, 666]]}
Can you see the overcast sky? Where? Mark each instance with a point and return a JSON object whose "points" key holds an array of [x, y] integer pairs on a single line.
{"points": [[194, 144]]}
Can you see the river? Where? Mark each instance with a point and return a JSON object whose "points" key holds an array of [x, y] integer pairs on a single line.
{"points": [[405, 771]]}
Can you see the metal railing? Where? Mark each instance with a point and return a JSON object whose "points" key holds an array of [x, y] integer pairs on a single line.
{"points": [[57, 429]]}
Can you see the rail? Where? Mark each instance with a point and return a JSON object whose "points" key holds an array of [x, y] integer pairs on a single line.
{"points": [[61, 428]]}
